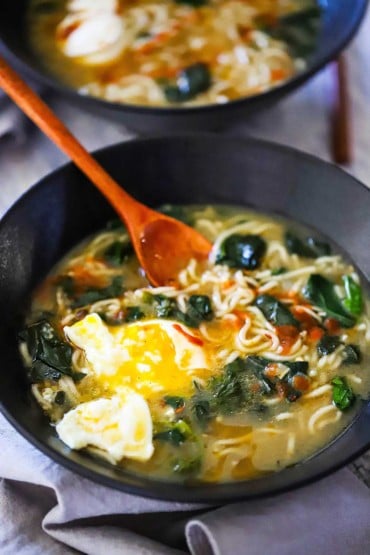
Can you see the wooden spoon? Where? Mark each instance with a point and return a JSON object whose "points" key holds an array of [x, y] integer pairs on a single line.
{"points": [[162, 244]]}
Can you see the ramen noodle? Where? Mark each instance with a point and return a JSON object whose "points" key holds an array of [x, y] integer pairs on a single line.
{"points": [[252, 361], [173, 52]]}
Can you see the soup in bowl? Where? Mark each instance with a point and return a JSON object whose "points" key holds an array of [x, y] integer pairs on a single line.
{"points": [[248, 377], [173, 52]]}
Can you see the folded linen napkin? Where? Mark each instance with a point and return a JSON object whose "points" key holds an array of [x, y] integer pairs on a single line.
{"points": [[45, 508]]}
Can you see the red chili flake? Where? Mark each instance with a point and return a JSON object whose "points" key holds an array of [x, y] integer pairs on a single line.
{"points": [[191, 338]]}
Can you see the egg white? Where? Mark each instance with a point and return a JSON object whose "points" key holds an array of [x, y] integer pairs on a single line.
{"points": [[121, 426]]}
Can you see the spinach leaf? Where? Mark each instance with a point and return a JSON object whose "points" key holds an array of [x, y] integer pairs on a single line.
{"points": [[174, 432], [187, 466], [343, 395], [116, 253], [278, 271], [328, 344], [321, 292], [353, 301], [60, 398], [92, 295], [133, 313], [275, 312], [174, 401], [190, 82], [50, 356], [242, 251], [351, 354], [298, 29], [308, 247], [199, 308]]}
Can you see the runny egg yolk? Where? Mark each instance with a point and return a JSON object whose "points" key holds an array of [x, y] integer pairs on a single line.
{"points": [[151, 356]]}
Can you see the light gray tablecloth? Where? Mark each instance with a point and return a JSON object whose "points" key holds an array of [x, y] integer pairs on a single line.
{"points": [[46, 509]]}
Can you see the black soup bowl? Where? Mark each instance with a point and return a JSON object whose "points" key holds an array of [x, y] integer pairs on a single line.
{"points": [[64, 208], [340, 21]]}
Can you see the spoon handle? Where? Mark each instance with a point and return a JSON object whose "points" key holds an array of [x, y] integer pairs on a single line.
{"points": [[44, 118]]}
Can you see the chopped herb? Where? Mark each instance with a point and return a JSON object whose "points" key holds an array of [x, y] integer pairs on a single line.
{"points": [[328, 344], [242, 251], [175, 433], [343, 396], [351, 354], [177, 403], [308, 247], [116, 253], [353, 301], [186, 466], [190, 82], [92, 295], [275, 311], [278, 271], [60, 398], [133, 313], [321, 292]]}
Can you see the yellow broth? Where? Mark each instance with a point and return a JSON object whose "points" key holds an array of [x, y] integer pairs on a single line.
{"points": [[268, 426]]}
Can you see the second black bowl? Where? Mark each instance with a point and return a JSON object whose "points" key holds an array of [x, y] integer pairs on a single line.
{"points": [[341, 19]]}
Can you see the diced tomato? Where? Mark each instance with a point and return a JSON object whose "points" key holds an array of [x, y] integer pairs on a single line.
{"points": [[332, 325], [287, 335], [300, 382], [315, 333]]}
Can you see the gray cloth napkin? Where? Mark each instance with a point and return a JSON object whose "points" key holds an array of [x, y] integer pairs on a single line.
{"points": [[45, 508]]}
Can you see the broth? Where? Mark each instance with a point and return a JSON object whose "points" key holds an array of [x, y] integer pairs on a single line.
{"points": [[173, 52], [240, 370]]}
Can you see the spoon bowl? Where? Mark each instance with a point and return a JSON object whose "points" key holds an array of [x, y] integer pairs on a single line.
{"points": [[163, 245]]}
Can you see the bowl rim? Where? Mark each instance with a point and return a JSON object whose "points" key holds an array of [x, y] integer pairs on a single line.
{"points": [[211, 493], [33, 71]]}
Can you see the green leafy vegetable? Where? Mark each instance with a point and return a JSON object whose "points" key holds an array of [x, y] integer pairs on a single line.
{"points": [[199, 308], [351, 354], [116, 253], [92, 295], [190, 82], [328, 344], [275, 312], [298, 29], [174, 401], [343, 395], [278, 271], [353, 301], [242, 251], [308, 247], [50, 356], [60, 398], [187, 466], [133, 313], [174, 432], [321, 292]]}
